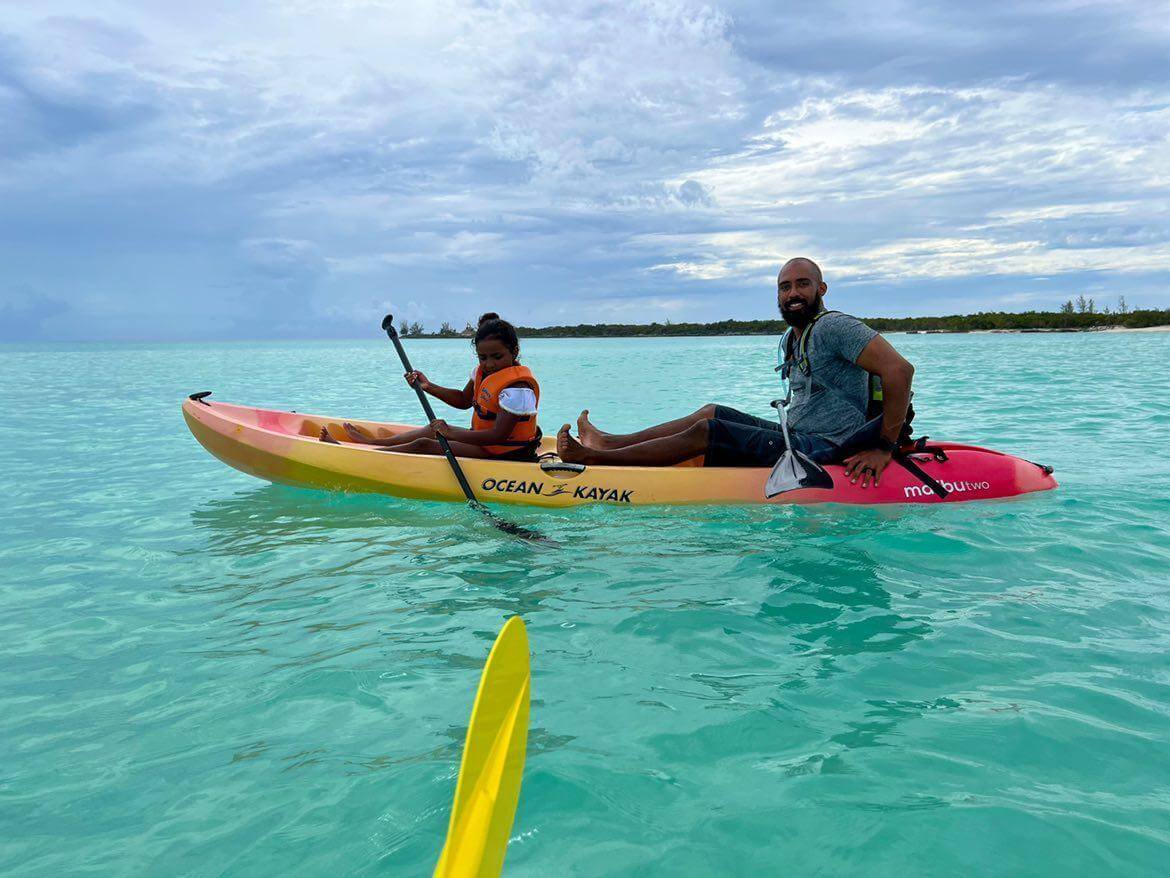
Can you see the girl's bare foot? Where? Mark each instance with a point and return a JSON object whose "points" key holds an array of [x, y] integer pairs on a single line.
{"points": [[325, 437], [569, 449], [358, 434], [590, 436]]}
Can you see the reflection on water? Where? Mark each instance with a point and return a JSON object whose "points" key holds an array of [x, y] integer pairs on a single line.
{"points": [[251, 520], [841, 609], [297, 553]]}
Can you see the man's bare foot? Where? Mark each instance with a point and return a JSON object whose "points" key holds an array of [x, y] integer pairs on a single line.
{"points": [[590, 436], [569, 449], [325, 437]]}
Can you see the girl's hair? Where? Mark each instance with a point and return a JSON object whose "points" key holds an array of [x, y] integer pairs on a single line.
{"points": [[492, 326]]}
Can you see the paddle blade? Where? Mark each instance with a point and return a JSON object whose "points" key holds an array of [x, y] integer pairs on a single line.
{"points": [[794, 470], [514, 529], [493, 762]]}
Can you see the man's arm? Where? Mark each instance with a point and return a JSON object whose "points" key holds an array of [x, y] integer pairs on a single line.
{"points": [[880, 358]]}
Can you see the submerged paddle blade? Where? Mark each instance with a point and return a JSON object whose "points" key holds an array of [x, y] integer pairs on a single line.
{"points": [[794, 470], [493, 763], [514, 529]]}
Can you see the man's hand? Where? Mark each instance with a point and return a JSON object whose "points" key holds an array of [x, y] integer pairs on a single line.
{"points": [[866, 465], [419, 380], [439, 427]]}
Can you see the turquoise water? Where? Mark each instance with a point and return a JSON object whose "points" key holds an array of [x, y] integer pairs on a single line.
{"points": [[204, 674]]}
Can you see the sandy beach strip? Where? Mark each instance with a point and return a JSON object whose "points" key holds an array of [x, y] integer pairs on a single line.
{"points": [[1037, 331]]}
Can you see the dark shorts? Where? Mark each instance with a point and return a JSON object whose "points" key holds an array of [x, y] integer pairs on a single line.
{"points": [[529, 453], [526, 454], [739, 439]]}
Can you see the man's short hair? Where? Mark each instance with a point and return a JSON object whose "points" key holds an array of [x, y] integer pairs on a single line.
{"points": [[816, 268]]}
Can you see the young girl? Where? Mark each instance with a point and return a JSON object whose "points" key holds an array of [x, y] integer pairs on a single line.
{"points": [[503, 394]]}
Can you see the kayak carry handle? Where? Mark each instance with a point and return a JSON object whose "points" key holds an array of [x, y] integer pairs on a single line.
{"points": [[200, 397], [561, 468]]}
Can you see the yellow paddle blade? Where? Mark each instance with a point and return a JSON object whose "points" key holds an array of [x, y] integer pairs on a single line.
{"points": [[493, 763]]}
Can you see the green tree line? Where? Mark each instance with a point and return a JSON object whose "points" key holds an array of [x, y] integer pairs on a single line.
{"points": [[1073, 316]]}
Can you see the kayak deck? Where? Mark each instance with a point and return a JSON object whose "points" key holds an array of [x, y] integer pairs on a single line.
{"points": [[284, 447]]}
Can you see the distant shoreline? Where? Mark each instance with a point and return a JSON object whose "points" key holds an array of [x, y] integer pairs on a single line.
{"points": [[1108, 330], [1027, 322]]}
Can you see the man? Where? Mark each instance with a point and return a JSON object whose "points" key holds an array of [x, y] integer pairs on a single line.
{"points": [[829, 358]]}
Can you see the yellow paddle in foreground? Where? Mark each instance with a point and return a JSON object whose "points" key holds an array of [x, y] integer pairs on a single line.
{"points": [[493, 763]]}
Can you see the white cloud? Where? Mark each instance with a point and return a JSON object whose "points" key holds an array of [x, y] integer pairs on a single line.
{"points": [[969, 257], [896, 172], [933, 142], [1062, 211]]}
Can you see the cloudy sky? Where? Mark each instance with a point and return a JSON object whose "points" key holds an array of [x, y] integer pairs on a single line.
{"points": [[293, 169]]}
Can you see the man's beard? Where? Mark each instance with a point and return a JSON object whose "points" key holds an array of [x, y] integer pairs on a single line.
{"points": [[801, 318]]}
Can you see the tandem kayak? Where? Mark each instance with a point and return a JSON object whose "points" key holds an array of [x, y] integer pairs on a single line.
{"points": [[284, 447]]}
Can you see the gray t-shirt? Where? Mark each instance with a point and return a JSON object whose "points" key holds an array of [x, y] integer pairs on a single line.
{"points": [[832, 400]]}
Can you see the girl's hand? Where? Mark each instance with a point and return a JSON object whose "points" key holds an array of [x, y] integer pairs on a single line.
{"points": [[439, 427], [419, 380]]}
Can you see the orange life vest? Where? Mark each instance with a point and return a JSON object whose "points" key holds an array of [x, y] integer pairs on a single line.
{"points": [[486, 396]]}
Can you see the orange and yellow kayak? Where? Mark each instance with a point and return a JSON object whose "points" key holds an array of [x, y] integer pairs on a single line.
{"points": [[284, 447]]}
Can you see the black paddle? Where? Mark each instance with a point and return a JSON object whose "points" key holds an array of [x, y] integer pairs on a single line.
{"points": [[506, 526]]}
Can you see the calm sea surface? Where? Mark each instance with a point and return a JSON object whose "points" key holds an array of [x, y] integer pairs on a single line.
{"points": [[203, 674]]}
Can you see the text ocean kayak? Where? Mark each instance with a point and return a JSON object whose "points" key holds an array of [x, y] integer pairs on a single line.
{"points": [[283, 447]]}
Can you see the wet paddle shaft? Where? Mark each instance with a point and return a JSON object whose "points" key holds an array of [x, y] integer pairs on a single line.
{"points": [[507, 526]]}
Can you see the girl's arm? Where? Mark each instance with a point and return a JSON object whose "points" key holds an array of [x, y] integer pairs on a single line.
{"points": [[500, 429], [457, 399]]}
